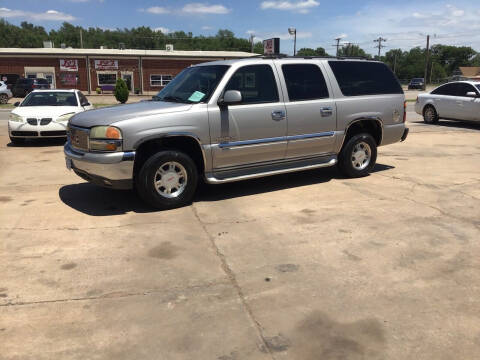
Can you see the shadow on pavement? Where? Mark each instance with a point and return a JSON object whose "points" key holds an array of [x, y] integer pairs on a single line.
{"points": [[470, 125], [39, 143], [98, 201]]}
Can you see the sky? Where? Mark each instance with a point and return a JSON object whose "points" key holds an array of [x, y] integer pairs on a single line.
{"points": [[403, 23]]}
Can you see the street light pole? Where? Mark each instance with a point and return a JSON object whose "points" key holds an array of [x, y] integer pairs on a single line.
{"points": [[293, 31]]}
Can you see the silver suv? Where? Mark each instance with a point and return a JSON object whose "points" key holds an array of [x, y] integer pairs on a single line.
{"points": [[241, 119]]}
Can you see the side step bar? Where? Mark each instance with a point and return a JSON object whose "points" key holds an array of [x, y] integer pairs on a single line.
{"points": [[269, 170]]}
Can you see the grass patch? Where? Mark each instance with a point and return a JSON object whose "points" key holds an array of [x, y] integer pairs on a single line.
{"points": [[6, 106]]}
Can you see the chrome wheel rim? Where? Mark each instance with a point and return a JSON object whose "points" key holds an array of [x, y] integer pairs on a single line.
{"points": [[361, 155], [170, 180], [429, 115]]}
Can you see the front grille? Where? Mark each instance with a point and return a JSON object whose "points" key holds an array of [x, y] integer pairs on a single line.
{"points": [[78, 138], [24, 133], [32, 121], [45, 121], [53, 133]]}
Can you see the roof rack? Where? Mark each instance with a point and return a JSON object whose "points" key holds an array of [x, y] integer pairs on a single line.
{"points": [[283, 56]]}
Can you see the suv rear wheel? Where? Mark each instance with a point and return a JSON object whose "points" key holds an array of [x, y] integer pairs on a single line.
{"points": [[167, 180], [358, 156], [430, 115]]}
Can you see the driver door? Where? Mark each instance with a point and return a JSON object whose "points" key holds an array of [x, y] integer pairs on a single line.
{"points": [[253, 131]]}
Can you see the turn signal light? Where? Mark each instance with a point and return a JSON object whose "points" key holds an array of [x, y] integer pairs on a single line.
{"points": [[113, 133]]}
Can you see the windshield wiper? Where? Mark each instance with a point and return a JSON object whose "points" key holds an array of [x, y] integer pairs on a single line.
{"points": [[171, 98]]}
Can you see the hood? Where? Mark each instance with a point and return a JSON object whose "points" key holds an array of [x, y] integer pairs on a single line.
{"points": [[45, 111], [110, 115]]}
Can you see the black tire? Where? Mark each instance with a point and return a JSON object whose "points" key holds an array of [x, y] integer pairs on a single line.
{"points": [[16, 141], [430, 115], [3, 98], [147, 175], [349, 157]]}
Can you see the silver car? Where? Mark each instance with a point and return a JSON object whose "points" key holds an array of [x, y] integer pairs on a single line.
{"points": [[5, 93], [241, 119], [458, 100]]}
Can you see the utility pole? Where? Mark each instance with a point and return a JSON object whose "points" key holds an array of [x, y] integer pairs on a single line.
{"points": [[379, 46], [81, 38], [337, 45], [252, 36], [427, 55]]}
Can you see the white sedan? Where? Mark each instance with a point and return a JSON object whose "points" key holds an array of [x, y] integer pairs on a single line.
{"points": [[459, 100], [45, 113]]}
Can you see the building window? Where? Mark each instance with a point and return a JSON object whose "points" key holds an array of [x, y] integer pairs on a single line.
{"points": [[160, 80], [109, 78]]}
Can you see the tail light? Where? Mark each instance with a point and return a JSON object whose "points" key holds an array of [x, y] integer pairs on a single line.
{"points": [[34, 86], [404, 111]]}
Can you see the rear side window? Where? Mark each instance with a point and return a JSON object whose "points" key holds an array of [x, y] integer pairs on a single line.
{"points": [[304, 82], [256, 83], [357, 78], [42, 81], [447, 89]]}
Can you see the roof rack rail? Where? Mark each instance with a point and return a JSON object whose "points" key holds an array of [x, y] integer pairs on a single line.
{"points": [[283, 56]]}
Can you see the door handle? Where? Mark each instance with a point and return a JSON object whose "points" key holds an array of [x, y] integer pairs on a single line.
{"points": [[278, 115], [326, 111]]}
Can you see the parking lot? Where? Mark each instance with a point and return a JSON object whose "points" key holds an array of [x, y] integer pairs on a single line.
{"points": [[301, 266]]}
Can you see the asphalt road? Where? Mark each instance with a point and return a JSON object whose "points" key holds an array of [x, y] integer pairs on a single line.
{"points": [[300, 266]]}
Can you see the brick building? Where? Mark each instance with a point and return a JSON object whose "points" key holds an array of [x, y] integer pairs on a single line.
{"points": [[145, 71]]}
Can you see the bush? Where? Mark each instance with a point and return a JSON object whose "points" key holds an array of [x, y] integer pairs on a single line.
{"points": [[121, 91], [98, 90]]}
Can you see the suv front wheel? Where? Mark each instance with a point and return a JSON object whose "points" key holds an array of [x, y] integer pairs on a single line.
{"points": [[358, 156], [167, 180]]}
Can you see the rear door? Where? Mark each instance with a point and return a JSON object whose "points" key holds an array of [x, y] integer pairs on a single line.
{"points": [[445, 100], [310, 109]]}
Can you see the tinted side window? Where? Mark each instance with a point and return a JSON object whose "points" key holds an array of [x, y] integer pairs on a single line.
{"points": [[448, 89], [256, 83], [83, 99], [463, 89], [304, 82], [365, 78]]}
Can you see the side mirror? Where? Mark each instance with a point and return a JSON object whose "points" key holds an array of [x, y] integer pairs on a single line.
{"points": [[472, 94], [230, 97], [85, 104], [16, 104]]}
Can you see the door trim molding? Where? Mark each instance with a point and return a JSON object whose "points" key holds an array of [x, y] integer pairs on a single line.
{"points": [[275, 139]]}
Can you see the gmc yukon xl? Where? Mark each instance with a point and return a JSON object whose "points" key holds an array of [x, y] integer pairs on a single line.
{"points": [[233, 120]]}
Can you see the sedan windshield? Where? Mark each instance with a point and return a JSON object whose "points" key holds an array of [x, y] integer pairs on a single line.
{"points": [[193, 85], [50, 98]]}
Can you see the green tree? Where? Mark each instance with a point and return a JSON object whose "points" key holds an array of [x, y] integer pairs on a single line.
{"points": [[319, 51], [353, 51], [121, 91]]}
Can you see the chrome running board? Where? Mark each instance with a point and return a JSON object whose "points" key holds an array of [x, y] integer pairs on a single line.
{"points": [[227, 176]]}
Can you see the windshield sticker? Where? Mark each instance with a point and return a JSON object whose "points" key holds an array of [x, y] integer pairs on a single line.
{"points": [[196, 96]]}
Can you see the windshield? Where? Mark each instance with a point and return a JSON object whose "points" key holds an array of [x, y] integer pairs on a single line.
{"points": [[193, 85], [50, 98]]}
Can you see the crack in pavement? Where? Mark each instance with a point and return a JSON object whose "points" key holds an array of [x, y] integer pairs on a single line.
{"points": [[233, 280], [119, 294]]}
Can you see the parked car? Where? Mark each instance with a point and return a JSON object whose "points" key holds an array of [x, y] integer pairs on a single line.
{"points": [[9, 79], [5, 93], [241, 119], [416, 83], [24, 86], [458, 100], [45, 113]]}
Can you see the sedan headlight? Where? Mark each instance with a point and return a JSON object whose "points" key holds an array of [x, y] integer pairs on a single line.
{"points": [[65, 117], [15, 117], [105, 138]]}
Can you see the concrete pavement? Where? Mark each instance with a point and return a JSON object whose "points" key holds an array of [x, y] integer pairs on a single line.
{"points": [[299, 266]]}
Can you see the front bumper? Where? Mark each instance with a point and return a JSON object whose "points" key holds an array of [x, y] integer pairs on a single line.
{"points": [[25, 130], [114, 170]]}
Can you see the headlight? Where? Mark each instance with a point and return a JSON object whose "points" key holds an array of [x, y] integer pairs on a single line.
{"points": [[15, 117], [65, 117], [105, 138]]}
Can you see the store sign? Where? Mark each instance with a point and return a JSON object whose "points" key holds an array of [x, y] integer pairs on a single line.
{"points": [[271, 46], [106, 64], [68, 65]]}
